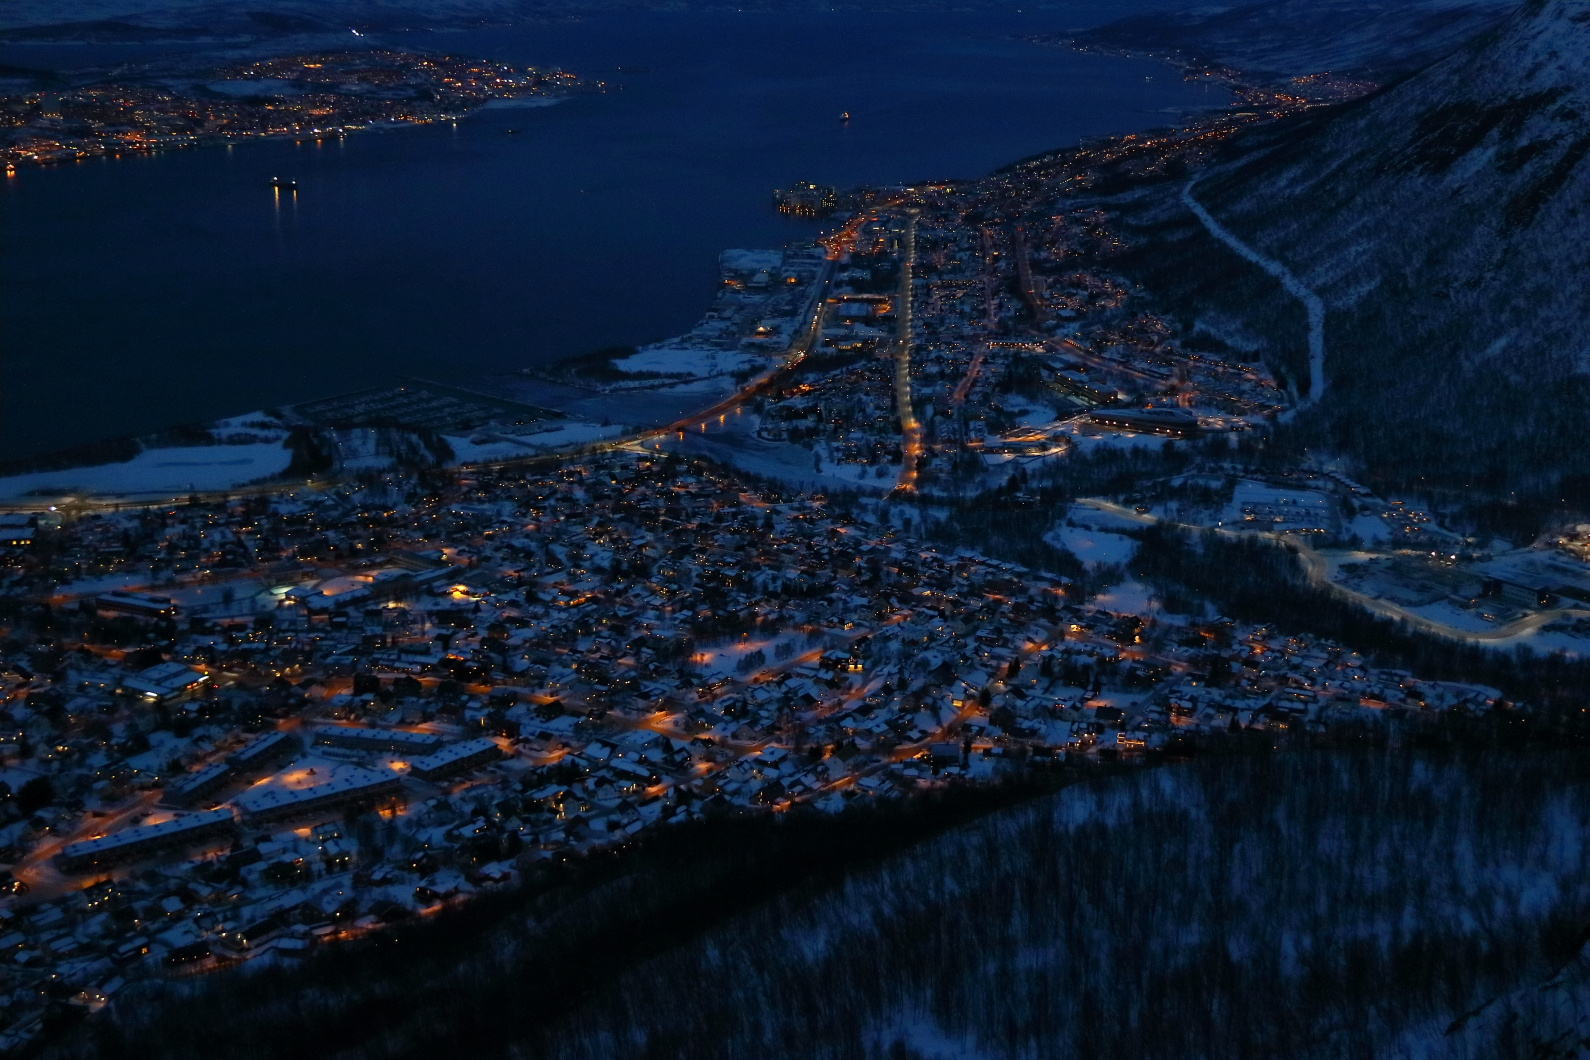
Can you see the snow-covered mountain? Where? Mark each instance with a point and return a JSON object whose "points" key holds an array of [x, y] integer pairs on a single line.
{"points": [[1378, 39], [116, 21], [1443, 222], [138, 21]]}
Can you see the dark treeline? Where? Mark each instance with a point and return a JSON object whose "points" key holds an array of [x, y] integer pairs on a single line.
{"points": [[1253, 580], [1308, 906]]}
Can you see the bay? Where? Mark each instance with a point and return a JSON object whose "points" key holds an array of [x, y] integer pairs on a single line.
{"points": [[137, 293]]}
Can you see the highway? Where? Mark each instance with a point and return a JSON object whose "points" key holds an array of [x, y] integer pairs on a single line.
{"points": [[990, 284]]}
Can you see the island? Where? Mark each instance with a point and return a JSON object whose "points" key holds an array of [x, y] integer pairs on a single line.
{"points": [[162, 106]]}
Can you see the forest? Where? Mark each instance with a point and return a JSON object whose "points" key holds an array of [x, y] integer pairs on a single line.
{"points": [[1314, 905]]}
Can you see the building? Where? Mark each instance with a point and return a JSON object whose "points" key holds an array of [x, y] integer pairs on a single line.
{"points": [[1076, 385], [264, 750], [16, 531], [144, 840], [365, 738], [164, 682], [138, 605], [193, 788], [355, 787], [1171, 423], [459, 758], [806, 199]]}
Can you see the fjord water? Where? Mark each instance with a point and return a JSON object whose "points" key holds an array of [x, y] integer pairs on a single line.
{"points": [[138, 293]]}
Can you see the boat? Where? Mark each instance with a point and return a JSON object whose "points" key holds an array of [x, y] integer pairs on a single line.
{"points": [[844, 117], [284, 184]]}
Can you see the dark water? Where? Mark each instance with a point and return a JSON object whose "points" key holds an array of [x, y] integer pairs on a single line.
{"points": [[139, 293]]}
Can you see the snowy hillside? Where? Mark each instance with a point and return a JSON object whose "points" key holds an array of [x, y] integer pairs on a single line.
{"points": [[1304, 906], [1442, 223], [1289, 38]]}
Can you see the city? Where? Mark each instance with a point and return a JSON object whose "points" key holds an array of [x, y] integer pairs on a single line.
{"points": [[246, 727], [1116, 605], [381, 700]]}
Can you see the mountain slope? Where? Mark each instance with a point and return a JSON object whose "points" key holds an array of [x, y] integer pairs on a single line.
{"points": [[1443, 223], [1307, 906], [1288, 38]]}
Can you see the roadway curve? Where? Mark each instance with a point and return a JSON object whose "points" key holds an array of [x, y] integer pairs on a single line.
{"points": [[1294, 286]]}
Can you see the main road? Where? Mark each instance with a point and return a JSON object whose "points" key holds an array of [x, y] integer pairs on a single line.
{"points": [[910, 429]]}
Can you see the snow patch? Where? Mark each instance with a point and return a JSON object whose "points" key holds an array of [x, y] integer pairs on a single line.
{"points": [[163, 472]]}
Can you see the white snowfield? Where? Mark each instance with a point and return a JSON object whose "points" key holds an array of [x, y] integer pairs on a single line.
{"points": [[1294, 287], [157, 472]]}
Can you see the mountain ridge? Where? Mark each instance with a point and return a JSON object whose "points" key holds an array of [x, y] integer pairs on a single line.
{"points": [[1281, 39]]}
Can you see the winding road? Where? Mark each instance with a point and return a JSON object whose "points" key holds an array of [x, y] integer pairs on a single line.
{"points": [[1294, 286]]}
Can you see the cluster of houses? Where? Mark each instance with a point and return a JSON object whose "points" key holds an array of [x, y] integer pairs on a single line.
{"points": [[1023, 342], [198, 778]]}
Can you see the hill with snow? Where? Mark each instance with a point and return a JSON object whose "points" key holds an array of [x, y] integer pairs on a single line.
{"points": [[1442, 223], [1279, 39]]}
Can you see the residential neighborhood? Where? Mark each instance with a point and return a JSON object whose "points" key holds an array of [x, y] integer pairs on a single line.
{"points": [[246, 729]]}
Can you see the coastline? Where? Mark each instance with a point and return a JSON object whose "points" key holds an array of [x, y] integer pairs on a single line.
{"points": [[145, 112], [210, 140], [279, 439], [654, 399]]}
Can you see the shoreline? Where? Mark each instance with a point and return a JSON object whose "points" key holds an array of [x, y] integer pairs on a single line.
{"points": [[211, 140], [212, 100], [712, 398], [285, 424]]}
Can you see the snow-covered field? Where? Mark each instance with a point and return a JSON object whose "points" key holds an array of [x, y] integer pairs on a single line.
{"points": [[156, 473], [1129, 597], [686, 362], [468, 451], [1092, 547]]}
